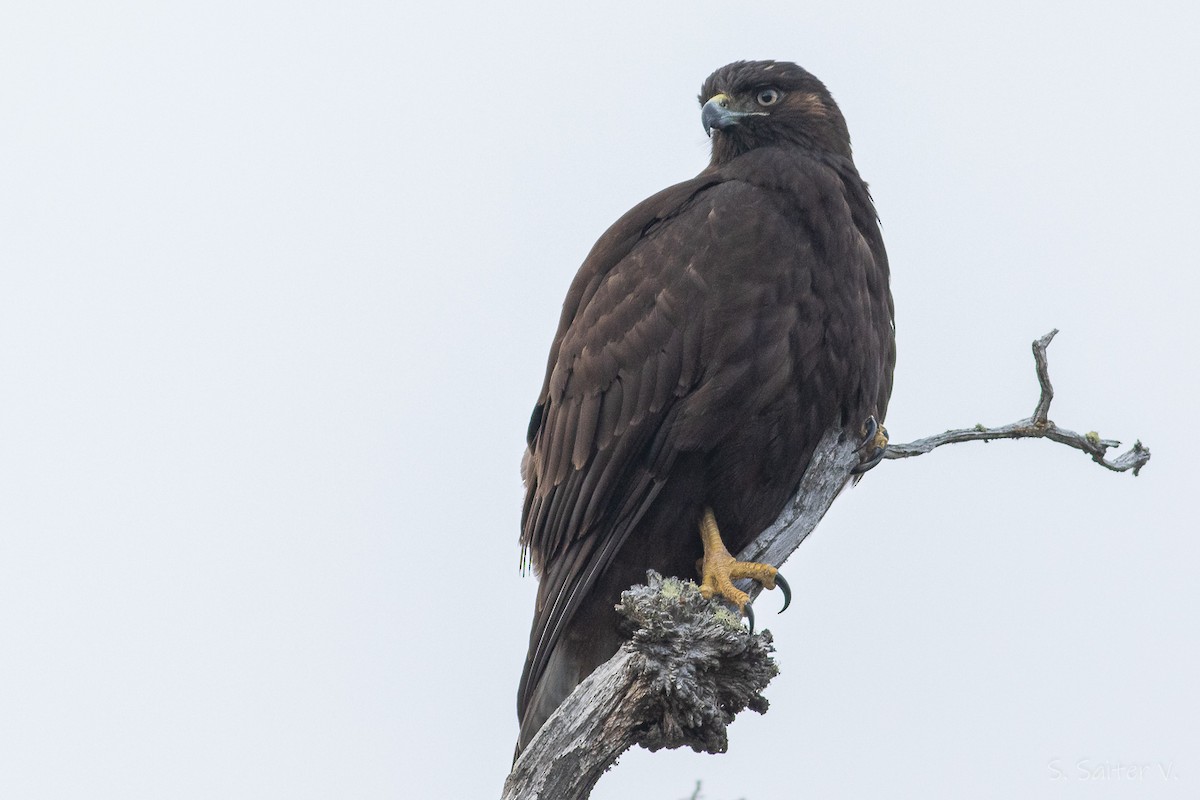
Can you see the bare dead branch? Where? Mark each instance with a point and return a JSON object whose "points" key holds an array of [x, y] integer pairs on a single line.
{"points": [[639, 698], [1039, 426], [1042, 410]]}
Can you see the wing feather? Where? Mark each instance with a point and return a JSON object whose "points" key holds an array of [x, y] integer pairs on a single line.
{"points": [[613, 372], [585, 434]]}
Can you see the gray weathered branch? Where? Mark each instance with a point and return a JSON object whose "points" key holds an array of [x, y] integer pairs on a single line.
{"points": [[686, 672], [1038, 426]]}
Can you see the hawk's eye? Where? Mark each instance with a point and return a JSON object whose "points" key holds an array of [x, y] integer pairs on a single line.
{"points": [[768, 97]]}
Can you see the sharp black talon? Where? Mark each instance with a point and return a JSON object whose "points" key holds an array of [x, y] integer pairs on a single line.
{"points": [[875, 432], [749, 611], [871, 463], [872, 426], [787, 591]]}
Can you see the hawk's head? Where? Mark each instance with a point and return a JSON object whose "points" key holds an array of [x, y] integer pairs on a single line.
{"points": [[749, 104]]}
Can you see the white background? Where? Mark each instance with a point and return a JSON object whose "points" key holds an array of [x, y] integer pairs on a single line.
{"points": [[277, 285]]}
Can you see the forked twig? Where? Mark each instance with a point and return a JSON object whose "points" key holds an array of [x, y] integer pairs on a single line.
{"points": [[1039, 426]]}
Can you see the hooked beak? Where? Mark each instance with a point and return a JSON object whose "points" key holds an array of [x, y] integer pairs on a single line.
{"points": [[717, 114]]}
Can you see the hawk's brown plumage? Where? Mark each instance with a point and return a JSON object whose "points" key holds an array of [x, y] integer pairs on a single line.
{"points": [[711, 337]]}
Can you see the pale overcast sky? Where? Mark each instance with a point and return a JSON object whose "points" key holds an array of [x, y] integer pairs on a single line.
{"points": [[277, 286]]}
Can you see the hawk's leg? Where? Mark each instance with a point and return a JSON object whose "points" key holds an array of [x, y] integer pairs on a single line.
{"points": [[719, 570], [873, 447]]}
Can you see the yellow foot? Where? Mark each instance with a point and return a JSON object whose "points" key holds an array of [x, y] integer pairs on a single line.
{"points": [[873, 447], [719, 570]]}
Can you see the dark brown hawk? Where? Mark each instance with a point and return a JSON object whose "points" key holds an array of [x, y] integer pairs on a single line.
{"points": [[710, 339]]}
